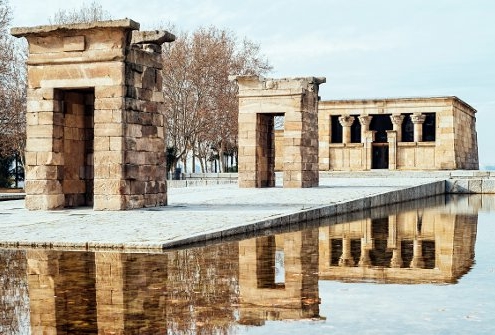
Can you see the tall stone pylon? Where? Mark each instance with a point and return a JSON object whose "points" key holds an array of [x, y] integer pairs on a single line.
{"points": [[95, 124]]}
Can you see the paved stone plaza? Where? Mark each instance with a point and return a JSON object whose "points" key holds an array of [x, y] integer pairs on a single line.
{"points": [[196, 214]]}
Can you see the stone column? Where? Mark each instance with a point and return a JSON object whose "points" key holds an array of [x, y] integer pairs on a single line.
{"points": [[109, 286], [417, 261], [365, 121], [346, 122], [368, 149], [392, 232], [418, 120], [346, 258], [397, 124], [42, 268], [392, 149], [365, 259], [396, 261], [393, 242], [366, 244]]}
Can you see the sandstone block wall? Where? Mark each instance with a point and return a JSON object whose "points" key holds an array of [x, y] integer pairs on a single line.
{"points": [[261, 297], [95, 134], [260, 100], [466, 141], [455, 145]]}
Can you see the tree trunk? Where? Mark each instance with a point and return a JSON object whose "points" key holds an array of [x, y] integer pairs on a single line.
{"points": [[16, 172], [184, 164], [221, 165]]}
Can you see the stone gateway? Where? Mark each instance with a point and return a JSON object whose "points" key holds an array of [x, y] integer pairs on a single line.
{"points": [[262, 99], [95, 127]]}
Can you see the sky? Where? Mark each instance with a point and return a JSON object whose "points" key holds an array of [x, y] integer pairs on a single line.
{"points": [[364, 48]]}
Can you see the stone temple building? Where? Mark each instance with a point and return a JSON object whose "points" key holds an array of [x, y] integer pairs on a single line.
{"points": [[397, 134], [434, 133]]}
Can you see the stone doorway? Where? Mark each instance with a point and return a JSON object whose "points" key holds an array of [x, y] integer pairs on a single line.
{"points": [[260, 101], [265, 149], [77, 116], [380, 156]]}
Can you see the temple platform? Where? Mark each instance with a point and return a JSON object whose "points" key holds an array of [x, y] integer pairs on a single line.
{"points": [[205, 213]]}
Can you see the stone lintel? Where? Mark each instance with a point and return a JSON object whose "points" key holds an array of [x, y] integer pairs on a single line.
{"points": [[399, 102], [157, 37], [124, 24], [270, 93], [260, 82]]}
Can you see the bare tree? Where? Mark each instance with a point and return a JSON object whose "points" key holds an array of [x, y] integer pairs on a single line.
{"points": [[87, 13], [201, 103], [12, 90]]}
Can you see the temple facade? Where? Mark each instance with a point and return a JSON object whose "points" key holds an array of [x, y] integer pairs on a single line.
{"points": [[397, 134], [435, 133]]}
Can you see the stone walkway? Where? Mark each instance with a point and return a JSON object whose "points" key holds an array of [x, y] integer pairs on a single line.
{"points": [[196, 214]]}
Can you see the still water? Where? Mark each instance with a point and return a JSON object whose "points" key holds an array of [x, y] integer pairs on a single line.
{"points": [[425, 267]]}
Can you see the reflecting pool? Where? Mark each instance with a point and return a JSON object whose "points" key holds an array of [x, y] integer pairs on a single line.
{"points": [[419, 267]]}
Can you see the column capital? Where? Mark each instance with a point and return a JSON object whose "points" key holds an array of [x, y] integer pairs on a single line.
{"points": [[346, 120], [418, 118], [397, 119], [365, 120]]}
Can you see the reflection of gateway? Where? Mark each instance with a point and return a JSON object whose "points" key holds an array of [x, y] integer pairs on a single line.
{"points": [[416, 246], [278, 277]]}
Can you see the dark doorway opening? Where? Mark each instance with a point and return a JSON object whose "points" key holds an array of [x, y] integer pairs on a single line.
{"points": [[407, 129], [380, 156], [265, 149], [336, 129], [77, 109], [380, 124]]}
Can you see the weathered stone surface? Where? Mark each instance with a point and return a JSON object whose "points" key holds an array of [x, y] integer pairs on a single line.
{"points": [[94, 103], [488, 186], [53, 29], [44, 201], [260, 100], [157, 37], [454, 146]]}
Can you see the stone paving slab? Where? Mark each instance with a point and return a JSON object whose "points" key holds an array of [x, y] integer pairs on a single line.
{"points": [[197, 214]]}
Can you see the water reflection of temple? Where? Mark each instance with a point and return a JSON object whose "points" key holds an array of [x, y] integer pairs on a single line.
{"points": [[204, 290], [213, 289], [414, 246], [277, 277], [115, 293]]}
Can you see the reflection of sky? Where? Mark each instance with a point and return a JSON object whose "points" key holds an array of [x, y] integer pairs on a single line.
{"points": [[366, 308]]}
